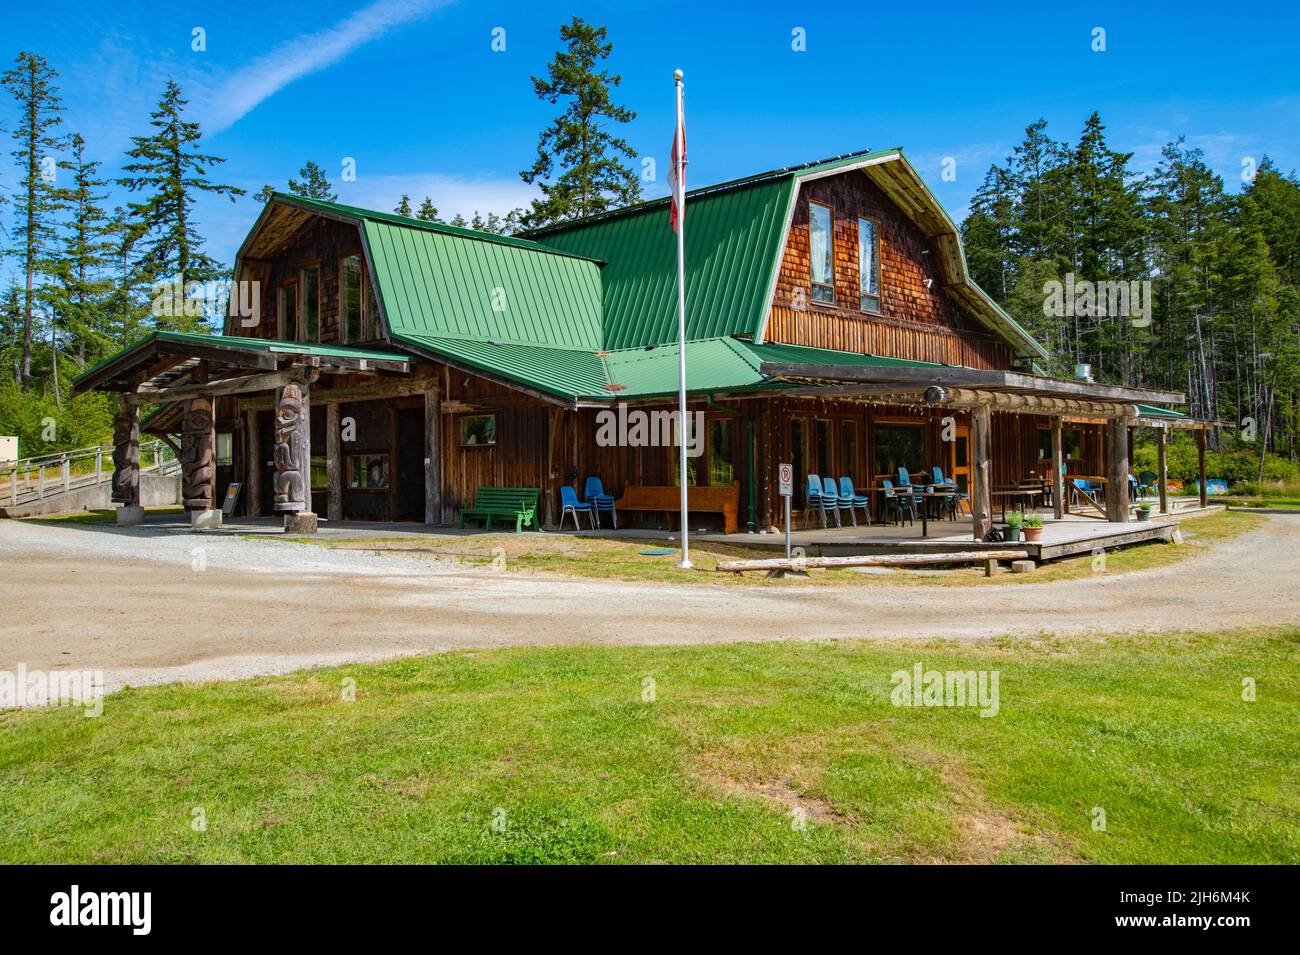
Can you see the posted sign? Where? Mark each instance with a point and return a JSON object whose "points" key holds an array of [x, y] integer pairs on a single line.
{"points": [[785, 478]]}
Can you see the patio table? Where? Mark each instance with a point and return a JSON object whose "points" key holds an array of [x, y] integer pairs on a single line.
{"points": [[1024, 493], [930, 494]]}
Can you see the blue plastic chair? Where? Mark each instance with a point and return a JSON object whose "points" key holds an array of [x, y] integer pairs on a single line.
{"points": [[815, 501], [831, 500], [594, 492], [898, 502], [852, 500], [569, 504], [905, 485], [1089, 491], [942, 483]]}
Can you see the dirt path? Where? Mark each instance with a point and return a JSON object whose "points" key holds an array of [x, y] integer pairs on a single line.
{"points": [[150, 608]]}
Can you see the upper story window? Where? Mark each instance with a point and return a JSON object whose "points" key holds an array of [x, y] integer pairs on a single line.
{"points": [[358, 313], [821, 253], [869, 265], [311, 303], [287, 311]]}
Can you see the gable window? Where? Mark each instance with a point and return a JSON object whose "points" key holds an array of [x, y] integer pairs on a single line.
{"points": [[821, 253], [288, 311], [311, 304], [350, 300], [869, 265]]}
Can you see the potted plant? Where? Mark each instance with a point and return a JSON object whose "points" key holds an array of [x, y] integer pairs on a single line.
{"points": [[1014, 520], [1033, 526], [1144, 512]]}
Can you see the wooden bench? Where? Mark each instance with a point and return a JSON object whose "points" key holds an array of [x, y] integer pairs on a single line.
{"points": [[517, 502], [710, 500]]}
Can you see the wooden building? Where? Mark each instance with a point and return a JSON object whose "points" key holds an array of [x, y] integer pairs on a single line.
{"points": [[385, 368]]}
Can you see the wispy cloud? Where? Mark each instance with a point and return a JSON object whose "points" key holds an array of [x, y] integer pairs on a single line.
{"points": [[241, 92]]}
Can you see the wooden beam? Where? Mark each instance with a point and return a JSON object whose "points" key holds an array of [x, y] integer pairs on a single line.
{"points": [[1162, 468], [969, 378], [333, 464], [432, 453], [1117, 471], [870, 560], [1058, 475], [981, 472], [254, 465], [223, 386], [383, 388], [1200, 465]]}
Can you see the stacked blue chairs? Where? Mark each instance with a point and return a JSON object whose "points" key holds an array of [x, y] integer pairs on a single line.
{"points": [[853, 500], [594, 492]]}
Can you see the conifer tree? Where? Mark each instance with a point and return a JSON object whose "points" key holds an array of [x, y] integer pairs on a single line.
{"points": [[580, 165]]}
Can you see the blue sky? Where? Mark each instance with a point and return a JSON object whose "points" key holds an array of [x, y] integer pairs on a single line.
{"points": [[412, 90]]}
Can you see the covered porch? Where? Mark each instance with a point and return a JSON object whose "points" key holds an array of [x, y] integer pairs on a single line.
{"points": [[211, 390]]}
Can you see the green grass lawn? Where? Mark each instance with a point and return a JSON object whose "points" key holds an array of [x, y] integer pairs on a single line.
{"points": [[739, 744], [615, 559]]}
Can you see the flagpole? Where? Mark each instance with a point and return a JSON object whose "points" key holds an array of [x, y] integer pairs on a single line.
{"points": [[682, 421]]}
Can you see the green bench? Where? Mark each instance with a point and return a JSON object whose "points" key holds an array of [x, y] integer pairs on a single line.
{"points": [[519, 503]]}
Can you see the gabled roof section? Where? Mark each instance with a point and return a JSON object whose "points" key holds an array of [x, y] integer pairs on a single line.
{"points": [[439, 280], [734, 234], [735, 238]]}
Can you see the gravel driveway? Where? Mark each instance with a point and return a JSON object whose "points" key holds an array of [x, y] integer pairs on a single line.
{"points": [[149, 607]]}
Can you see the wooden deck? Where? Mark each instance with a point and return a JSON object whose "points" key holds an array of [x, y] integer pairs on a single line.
{"points": [[1073, 534]]}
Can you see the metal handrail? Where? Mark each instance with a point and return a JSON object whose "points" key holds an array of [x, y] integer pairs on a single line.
{"points": [[26, 479]]}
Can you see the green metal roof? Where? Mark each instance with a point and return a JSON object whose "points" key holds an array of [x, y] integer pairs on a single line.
{"points": [[1154, 411], [447, 285], [733, 246], [273, 345], [571, 374]]}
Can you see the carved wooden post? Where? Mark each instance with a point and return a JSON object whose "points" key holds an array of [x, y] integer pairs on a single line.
{"points": [[1162, 468], [293, 458], [980, 498], [433, 454], [1059, 506], [1117, 471], [253, 479], [126, 465], [333, 463], [554, 420], [197, 470]]}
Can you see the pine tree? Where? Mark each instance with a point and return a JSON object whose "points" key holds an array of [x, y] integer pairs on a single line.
{"points": [[314, 184], [403, 208], [428, 211], [170, 171], [87, 244], [37, 136], [592, 175]]}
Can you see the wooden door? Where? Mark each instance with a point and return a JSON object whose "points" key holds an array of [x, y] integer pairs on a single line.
{"points": [[959, 458]]}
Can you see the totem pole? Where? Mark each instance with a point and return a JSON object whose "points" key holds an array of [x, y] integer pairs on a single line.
{"points": [[126, 457], [292, 449], [196, 455]]}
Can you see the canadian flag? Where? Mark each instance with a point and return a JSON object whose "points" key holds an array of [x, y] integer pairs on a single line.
{"points": [[677, 171]]}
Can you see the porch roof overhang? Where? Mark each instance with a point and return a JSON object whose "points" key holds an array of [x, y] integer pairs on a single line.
{"points": [[161, 365], [950, 386]]}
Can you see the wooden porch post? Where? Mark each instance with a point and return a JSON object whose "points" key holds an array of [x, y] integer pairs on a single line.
{"points": [[554, 420], [1200, 465], [126, 465], [333, 463], [1059, 506], [1117, 471], [980, 499], [433, 453], [196, 454], [1162, 468], [293, 458], [253, 479]]}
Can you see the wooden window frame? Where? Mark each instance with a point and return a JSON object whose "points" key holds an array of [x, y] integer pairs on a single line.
{"points": [[352, 457], [813, 284], [359, 255], [302, 301], [879, 276], [297, 305]]}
